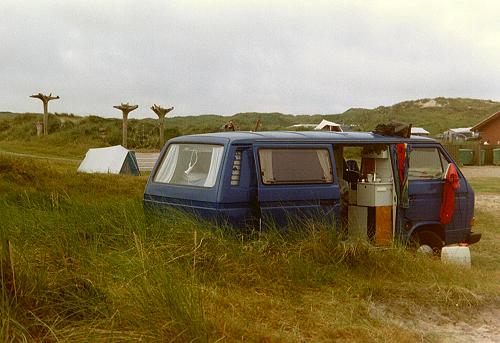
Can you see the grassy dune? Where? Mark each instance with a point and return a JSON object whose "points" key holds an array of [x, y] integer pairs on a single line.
{"points": [[85, 264], [71, 136], [445, 113]]}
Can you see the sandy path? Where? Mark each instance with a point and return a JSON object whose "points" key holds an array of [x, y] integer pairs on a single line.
{"points": [[146, 161], [481, 171], [488, 201], [483, 327], [40, 157]]}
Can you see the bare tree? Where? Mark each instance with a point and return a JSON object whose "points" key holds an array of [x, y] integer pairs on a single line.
{"points": [[161, 113], [45, 99], [258, 124], [126, 109]]}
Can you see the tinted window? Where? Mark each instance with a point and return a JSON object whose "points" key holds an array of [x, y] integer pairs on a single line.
{"points": [[190, 164], [295, 166], [426, 163]]}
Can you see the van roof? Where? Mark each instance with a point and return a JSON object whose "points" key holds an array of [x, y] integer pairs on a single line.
{"points": [[294, 136]]}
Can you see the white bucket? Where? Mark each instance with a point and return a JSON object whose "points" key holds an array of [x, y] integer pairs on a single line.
{"points": [[458, 255]]}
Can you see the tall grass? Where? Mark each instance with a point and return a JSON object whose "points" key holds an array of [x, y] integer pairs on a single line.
{"points": [[86, 264]]}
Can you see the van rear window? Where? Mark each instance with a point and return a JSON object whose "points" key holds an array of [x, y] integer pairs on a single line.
{"points": [[295, 166], [190, 164]]}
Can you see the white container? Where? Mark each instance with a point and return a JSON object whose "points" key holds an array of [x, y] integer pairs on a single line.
{"points": [[374, 194], [458, 255], [358, 222], [353, 198]]}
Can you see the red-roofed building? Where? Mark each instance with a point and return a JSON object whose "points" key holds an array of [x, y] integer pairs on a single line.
{"points": [[489, 129]]}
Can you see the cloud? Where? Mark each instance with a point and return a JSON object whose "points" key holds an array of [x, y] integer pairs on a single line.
{"points": [[227, 57]]}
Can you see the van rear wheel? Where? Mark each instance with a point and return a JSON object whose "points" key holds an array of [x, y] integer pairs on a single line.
{"points": [[427, 242]]}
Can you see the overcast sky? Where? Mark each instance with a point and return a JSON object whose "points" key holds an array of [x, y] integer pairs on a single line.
{"points": [[223, 57]]}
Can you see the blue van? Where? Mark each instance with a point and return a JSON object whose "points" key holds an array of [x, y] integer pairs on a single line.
{"points": [[368, 185]]}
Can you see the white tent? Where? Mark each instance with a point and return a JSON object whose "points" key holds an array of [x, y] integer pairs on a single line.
{"points": [[113, 160], [462, 130], [328, 125]]}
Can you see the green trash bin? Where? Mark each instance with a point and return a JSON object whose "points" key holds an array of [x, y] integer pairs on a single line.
{"points": [[466, 156], [483, 154], [496, 156]]}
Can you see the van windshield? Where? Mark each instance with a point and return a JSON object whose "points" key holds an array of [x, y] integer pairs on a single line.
{"points": [[190, 164]]}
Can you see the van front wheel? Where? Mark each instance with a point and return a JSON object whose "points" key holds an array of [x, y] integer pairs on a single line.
{"points": [[427, 242]]}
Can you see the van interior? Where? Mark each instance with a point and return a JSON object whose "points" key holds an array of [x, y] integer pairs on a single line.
{"points": [[366, 184]]}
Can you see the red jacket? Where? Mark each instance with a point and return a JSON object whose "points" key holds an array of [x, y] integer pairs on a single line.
{"points": [[448, 204]]}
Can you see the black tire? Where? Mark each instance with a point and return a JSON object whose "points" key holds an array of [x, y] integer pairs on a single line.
{"points": [[423, 238]]}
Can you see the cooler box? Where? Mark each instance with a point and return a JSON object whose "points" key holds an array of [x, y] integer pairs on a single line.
{"points": [[374, 194]]}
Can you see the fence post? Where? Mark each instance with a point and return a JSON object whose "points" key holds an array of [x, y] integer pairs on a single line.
{"points": [[453, 150], [477, 152]]}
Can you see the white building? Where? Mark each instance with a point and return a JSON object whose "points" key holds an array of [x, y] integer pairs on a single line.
{"points": [[419, 131], [459, 133]]}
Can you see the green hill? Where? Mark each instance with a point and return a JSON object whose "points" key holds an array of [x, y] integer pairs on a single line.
{"points": [[435, 115], [72, 135]]}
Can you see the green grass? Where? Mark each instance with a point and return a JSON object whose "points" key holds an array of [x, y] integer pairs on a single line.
{"points": [[86, 264], [485, 253], [489, 185]]}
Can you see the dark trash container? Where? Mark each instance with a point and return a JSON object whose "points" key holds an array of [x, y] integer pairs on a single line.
{"points": [[466, 156], [496, 156]]}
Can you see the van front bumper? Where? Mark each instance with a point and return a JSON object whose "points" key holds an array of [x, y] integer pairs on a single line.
{"points": [[473, 238]]}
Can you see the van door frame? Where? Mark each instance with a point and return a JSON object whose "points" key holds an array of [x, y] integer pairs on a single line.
{"points": [[414, 225]]}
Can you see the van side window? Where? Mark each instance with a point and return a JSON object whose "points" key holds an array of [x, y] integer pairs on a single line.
{"points": [[295, 166], [426, 164], [236, 170]]}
